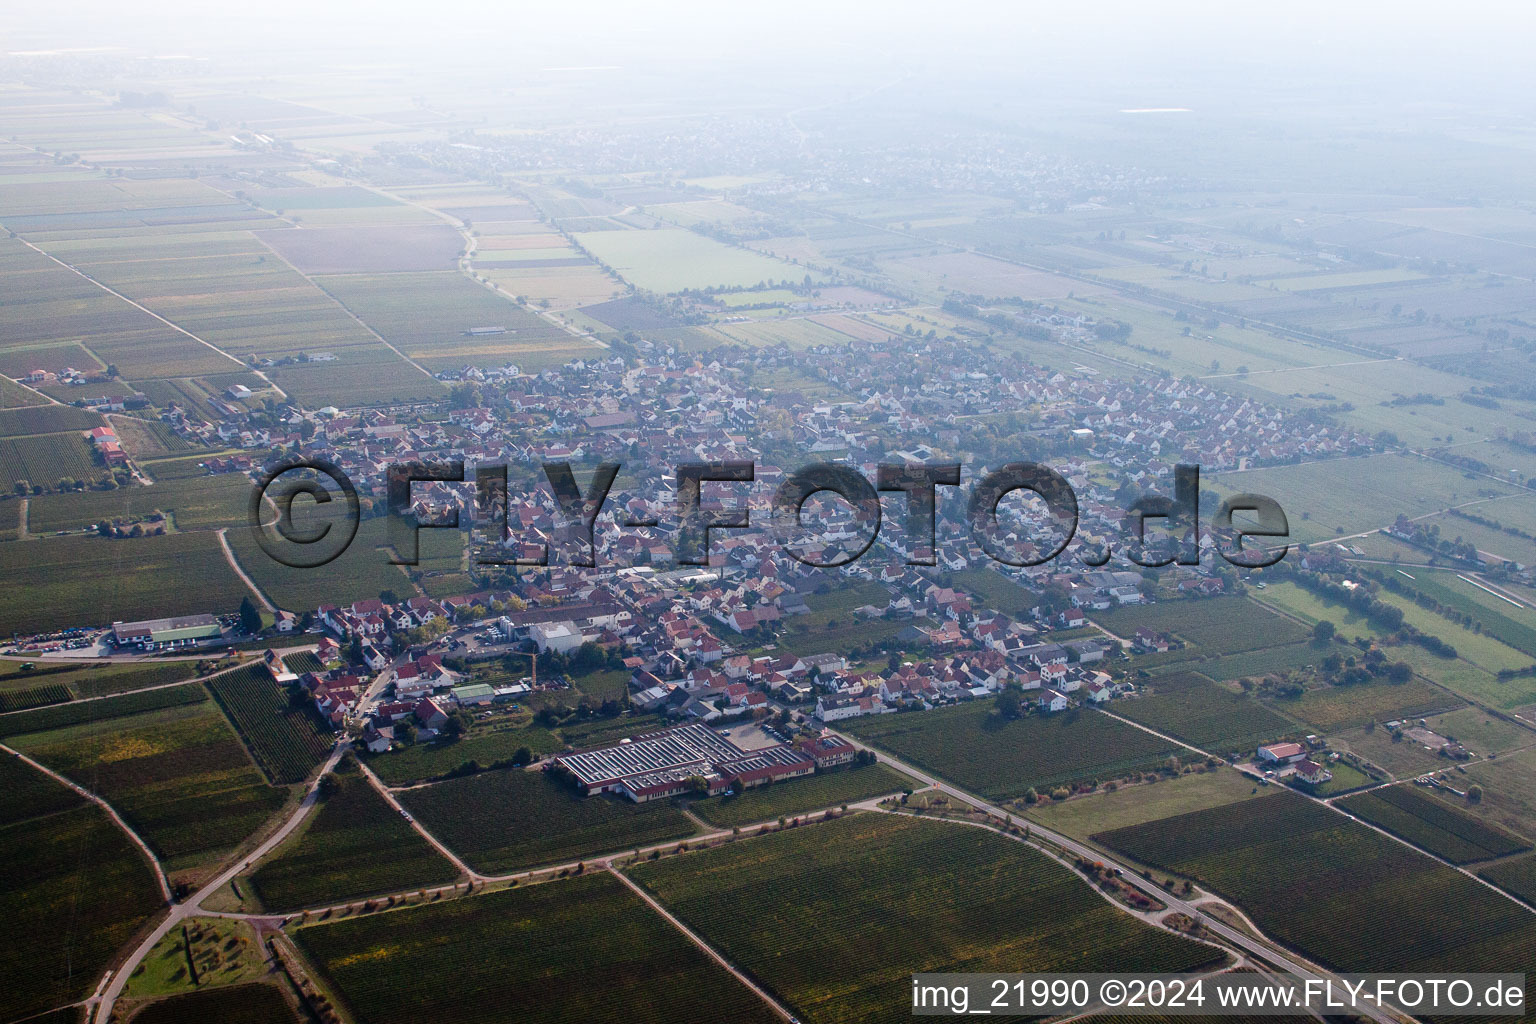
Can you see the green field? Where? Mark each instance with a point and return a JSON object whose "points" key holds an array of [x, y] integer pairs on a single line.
{"points": [[972, 747], [288, 741], [1190, 707], [337, 855], [833, 788], [238, 1004], [179, 777], [1084, 815], [1433, 824], [80, 581], [504, 821], [77, 889], [581, 951], [956, 898], [1335, 890]]}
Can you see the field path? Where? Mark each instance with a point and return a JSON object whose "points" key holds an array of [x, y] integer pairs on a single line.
{"points": [[107, 996], [149, 855], [21, 521], [698, 940], [229, 556], [389, 798]]}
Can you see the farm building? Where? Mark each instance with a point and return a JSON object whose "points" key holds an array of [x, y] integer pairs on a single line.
{"points": [[1281, 753]]}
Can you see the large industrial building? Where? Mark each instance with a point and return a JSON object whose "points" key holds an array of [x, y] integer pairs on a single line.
{"points": [[660, 764]]}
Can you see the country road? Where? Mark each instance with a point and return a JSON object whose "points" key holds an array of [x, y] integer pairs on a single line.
{"points": [[107, 997], [1260, 951]]}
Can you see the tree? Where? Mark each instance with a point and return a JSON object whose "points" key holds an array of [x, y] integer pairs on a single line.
{"points": [[1474, 794], [250, 616], [1323, 631], [1008, 703], [1030, 796]]}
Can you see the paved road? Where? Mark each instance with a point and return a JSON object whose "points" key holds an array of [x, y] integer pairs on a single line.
{"points": [[105, 998], [1259, 951]]}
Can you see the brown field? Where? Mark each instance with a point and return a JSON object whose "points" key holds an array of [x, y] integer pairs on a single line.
{"points": [[367, 250]]}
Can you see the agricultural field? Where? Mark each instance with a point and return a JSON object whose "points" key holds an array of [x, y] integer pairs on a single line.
{"points": [[361, 249], [42, 460], [363, 571], [252, 1003], [199, 502], [673, 259], [1511, 623], [179, 777], [1433, 824], [1517, 876], [336, 855], [1190, 707], [82, 712], [503, 821], [428, 316], [961, 898], [1335, 890], [1345, 496], [287, 741], [46, 419], [1218, 625], [601, 957], [104, 896], [833, 788], [974, 748], [95, 581]]}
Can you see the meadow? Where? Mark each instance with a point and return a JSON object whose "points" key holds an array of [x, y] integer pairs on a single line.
{"points": [[1432, 824], [79, 713], [287, 741], [833, 788], [580, 951], [1001, 759], [1100, 811], [1328, 708], [1335, 890], [336, 855], [960, 898], [504, 821]]}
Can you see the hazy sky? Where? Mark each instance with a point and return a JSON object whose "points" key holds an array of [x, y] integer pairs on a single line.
{"points": [[1471, 47]]}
